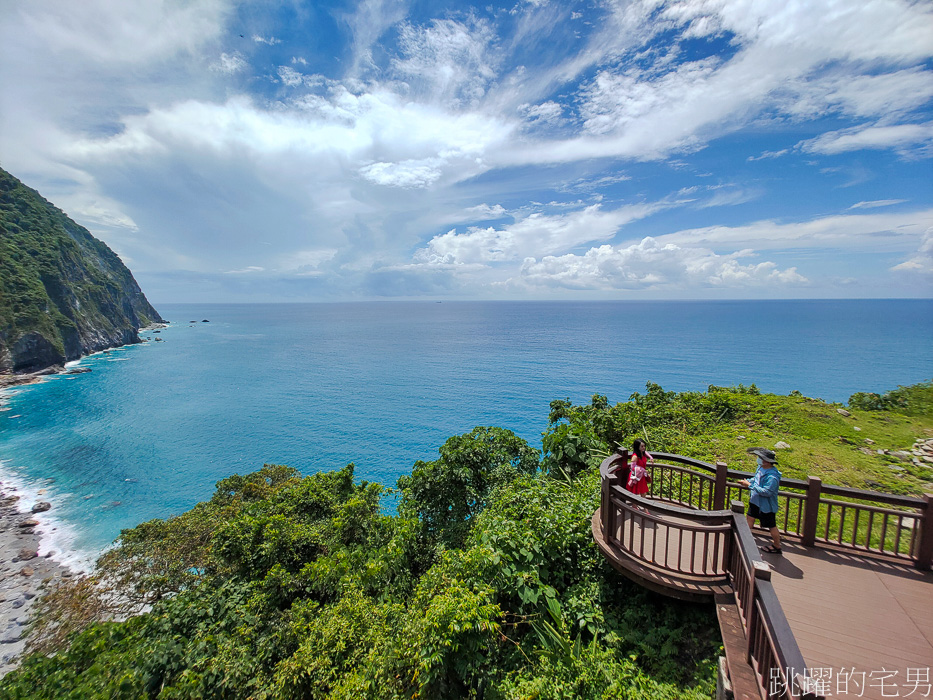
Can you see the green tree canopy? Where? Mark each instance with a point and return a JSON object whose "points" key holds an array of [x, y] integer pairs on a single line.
{"points": [[447, 493]]}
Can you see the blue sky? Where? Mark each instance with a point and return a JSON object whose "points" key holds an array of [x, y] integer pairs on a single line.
{"points": [[295, 151]]}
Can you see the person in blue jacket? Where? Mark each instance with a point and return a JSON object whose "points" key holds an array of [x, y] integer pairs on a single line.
{"points": [[763, 488]]}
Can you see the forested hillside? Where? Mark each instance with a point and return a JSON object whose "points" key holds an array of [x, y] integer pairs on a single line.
{"points": [[484, 582], [63, 293]]}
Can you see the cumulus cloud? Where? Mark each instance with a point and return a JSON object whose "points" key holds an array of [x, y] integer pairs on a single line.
{"points": [[536, 233], [651, 265], [304, 260], [409, 173]]}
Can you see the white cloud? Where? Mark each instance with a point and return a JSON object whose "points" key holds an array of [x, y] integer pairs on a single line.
{"points": [[245, 271], [369, 21], [651, 265], [549, 112], [920, 262], [484, 211], [615, 102], [452, 61], [535, 234], [839, 231], [103, 213], [654, 110], [891, 95], [870, 137], [112, 31], [269, 41], [728, 196], [409, 173], [355, 127], [289, 76], [230, 63], [767, 155], [874, 204]]}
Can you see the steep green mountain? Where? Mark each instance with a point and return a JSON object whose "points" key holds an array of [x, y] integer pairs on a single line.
{"points": [[63, 293]]}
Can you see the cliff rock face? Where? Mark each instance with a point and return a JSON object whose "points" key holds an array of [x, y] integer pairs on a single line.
{"points": [[63, 293]]}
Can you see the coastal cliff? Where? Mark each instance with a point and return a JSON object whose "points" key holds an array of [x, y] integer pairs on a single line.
{"points": [[63, 293]]}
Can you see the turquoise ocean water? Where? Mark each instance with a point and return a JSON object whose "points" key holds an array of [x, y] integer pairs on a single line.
{"points": [[149, 431]]}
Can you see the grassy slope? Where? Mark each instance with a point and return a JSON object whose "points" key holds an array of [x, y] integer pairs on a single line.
{"points": [[823, 443]]}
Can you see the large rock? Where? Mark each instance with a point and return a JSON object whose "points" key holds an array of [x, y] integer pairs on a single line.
{"points": [[41, 507]]}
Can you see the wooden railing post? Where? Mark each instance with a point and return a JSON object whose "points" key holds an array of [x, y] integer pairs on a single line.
{"points": [[925, 548], [811, 513], [762, 571], [604, 506], [719, 490]]}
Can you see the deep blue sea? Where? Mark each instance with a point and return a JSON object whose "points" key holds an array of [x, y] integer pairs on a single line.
{"points": [[149, 431]]}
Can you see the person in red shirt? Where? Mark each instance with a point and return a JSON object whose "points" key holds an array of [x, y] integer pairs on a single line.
{"points": [[638, 479]]}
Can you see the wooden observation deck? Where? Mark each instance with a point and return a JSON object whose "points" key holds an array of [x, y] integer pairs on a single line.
{"points": [[845, 612]]}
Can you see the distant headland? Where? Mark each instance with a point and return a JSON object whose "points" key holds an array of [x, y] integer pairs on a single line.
{"points": [[63, 293]]}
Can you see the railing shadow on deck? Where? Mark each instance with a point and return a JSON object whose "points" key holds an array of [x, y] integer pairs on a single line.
{"points": [[680, 538]]}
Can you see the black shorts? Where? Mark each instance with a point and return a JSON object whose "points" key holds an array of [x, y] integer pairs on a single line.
{"points": [[766, 519]]}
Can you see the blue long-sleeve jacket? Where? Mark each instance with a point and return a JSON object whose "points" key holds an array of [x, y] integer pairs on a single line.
{"points": [[763, 488]]}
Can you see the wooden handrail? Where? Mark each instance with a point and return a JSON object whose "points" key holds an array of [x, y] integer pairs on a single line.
{"points": [[696, 542], [772, 648], [799, 484], [806, 504]]}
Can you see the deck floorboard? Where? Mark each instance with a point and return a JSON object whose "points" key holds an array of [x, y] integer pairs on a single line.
{"points": [[847, 612]]}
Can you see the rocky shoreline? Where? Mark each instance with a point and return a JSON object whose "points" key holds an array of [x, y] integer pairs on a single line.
{"points": [[24, 574], [10, 379]]}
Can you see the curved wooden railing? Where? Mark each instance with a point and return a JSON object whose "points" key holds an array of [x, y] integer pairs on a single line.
{"points": [[686, 544]]}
